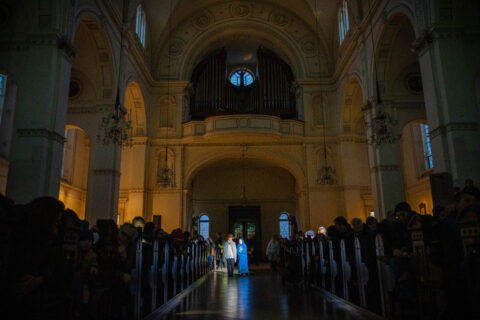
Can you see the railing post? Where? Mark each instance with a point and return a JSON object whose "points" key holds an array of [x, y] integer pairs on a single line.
{"points": [[382, 277], [307, 259], [154, 275], [323, 268], [174, 271], [346, 270], [165, 273], [192, 263], [302, 255], [182, 271], [333, 266], [362, 273], [197, 262], [137, 280], [187, 265]]}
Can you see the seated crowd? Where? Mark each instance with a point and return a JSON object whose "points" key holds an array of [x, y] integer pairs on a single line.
{"points": [[405, 283], [56, 266]]}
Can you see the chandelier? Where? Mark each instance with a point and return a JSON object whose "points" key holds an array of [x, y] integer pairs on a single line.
{"points": [[165, 174], [382, 128], [326, 173], [382, 124], [116, 127]]}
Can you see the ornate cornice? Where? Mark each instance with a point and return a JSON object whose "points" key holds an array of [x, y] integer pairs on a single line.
{"points": [[82, 110], [41, 133], [422, 43], [386, 168], [453, 126]]}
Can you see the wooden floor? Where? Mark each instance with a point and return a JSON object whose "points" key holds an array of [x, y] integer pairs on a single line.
{"points": [[259, 296]]}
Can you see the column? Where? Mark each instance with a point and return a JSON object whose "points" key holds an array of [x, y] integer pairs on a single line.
{"points": [[42, 73], [449, 62], [385, 162], [103, 181]]}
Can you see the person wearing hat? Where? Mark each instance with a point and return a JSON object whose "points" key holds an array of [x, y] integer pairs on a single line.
{"points": [[230, 254]]}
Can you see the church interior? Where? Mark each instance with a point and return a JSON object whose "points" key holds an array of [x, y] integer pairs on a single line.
{"points": [[271, 120]]}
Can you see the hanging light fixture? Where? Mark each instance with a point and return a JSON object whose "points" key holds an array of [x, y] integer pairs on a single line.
{"points": [[244, 191], [165, 174], [382, 123], [326, 174], [116, 126]]}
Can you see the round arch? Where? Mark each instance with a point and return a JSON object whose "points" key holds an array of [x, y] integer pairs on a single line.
{"points": [[135, 105], [352, 100], [293, 37], [264, 156], [95, 57], [397, 25]]}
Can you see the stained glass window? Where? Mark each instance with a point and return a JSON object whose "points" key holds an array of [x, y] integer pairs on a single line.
{"points": [[284, 226], [343, 21], [204, 226], [141, 24], [241, 78], [427, 147]]}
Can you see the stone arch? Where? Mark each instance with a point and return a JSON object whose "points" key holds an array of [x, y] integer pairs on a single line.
{"points": [[393, 50], [75, 168], [353, 97], [288, 164], [95, 57], [264, 20], [415, 170], [135, 106]]}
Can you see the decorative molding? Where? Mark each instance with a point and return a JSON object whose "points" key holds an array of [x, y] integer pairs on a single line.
{"points": [[422, 43], [453, 126], [386, 168], [82, 110], [42, 133], [67, 46]]}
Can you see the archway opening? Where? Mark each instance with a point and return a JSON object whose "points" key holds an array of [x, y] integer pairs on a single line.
{"points": [[354, 154], [73, 184], [132, 180], [417, 165], [244, 197]]}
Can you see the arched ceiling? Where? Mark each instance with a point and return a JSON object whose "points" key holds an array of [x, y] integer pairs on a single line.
{"points": [[161, 23], [158, 12]]}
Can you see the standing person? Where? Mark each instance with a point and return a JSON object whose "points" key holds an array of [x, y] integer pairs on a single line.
{"points": [[230, 254], [273, 252], [242, 257]]}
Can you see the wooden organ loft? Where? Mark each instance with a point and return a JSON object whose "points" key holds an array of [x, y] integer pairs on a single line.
{"points": [[270, 92]]}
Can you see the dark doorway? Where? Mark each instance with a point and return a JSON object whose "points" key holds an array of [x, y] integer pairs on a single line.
{"points": [[245, 221]]}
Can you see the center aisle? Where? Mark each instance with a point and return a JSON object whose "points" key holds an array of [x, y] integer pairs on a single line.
{"points": [[259, 296]]}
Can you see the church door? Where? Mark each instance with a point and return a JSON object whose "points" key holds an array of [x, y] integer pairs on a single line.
{"points": [[245, 222]]}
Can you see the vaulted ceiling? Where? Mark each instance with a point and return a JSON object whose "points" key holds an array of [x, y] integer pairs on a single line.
{"points": [[165, 16], [158, 13]]}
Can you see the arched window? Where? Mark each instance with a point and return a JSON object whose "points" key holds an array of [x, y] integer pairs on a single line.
{"points": [[141, 24], [284, 226], [343, 21], [241, 78], [204, 226], [427, 147]]}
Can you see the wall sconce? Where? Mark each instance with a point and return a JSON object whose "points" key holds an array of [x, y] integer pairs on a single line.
{"points": [[423, 208]]}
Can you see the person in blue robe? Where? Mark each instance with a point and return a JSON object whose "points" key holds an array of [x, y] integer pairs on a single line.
{"points": [[242, 257]]}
